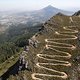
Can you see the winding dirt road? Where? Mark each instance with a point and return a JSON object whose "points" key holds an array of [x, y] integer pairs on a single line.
{"points": [[71, 20], [56, 45]]}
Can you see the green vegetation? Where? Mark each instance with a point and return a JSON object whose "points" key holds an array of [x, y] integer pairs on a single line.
{"points": [[7, 50], [9, 62], [11, 43], [56, 23]]}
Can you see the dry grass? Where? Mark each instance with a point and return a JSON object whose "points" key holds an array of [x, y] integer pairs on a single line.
{"points": [[49, 33]]}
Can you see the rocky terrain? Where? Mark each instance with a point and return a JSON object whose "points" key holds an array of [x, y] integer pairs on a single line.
{"points": [[77, 14], [56, 59], [56, 55]]}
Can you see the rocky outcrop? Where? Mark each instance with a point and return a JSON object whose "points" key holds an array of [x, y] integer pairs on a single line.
{"points": [[77, 13]]}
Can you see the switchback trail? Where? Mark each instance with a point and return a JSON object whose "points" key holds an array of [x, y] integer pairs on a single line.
{"points": [[54, 44]]}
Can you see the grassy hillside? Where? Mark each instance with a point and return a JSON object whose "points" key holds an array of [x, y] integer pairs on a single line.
{"points": [[58, 48], [11, 43]]}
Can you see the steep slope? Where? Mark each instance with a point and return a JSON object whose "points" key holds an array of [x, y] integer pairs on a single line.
{"points": [[55, 58], [11, 43], [77, 13]]}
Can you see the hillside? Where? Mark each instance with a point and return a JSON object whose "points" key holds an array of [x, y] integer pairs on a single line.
{"points": [[12, 42], [56, 59], [47, 12], [57, 56], [77, 13]]}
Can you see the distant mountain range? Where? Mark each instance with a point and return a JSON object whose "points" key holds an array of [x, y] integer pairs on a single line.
{"points": [[77, 13], [40, 16], [45, 13]]}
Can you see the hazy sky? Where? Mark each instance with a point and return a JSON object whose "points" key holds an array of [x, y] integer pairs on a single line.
{"points": [[38, 4]]}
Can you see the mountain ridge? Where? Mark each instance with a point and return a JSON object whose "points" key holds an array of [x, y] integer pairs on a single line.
{"points": [[64, 30], [76, 13]]}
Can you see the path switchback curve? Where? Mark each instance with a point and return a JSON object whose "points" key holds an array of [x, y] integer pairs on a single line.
{"points": [[54, 44]]}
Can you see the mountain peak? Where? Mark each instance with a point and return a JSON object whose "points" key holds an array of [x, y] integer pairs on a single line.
{"points": [[77, 13], [50, 6]]}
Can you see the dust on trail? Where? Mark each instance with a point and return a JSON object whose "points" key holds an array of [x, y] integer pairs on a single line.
{"points": [[67, 55]]}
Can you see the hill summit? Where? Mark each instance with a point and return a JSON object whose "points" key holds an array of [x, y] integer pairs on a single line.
{"points": [[77, 13], [50, 8], [53, 10]]}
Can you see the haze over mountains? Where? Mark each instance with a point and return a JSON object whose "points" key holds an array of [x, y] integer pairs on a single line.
{"points": [[60, 35], [41, 15]]}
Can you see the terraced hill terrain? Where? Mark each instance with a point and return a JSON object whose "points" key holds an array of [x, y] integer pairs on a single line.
{"points": [[59, 47], [58, 51]]}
